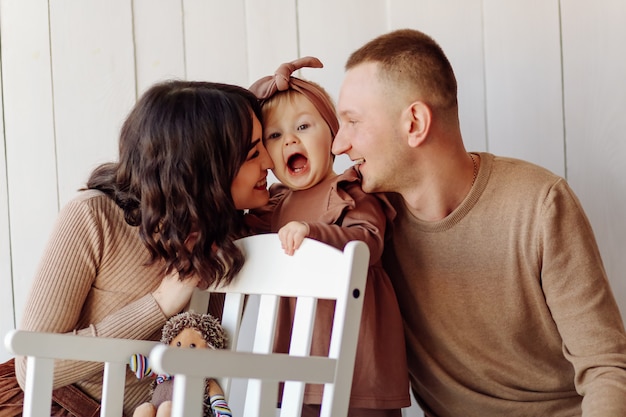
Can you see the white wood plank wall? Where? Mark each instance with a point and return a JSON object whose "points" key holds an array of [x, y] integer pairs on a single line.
{"points": [[541, 80]]}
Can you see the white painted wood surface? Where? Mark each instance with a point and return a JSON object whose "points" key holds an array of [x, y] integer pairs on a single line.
{"points": [[524, 87], [215, 40], [93, 80], [159, 41], [6, 284], [43, 348], [31, 204], [541, 80], [594, 69], [272, 29]]}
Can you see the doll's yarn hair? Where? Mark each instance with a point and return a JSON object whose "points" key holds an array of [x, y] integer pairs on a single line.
{"points": [[209, 327]]}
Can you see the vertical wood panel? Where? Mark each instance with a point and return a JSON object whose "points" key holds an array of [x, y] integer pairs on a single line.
{"points": [[332, 30], [29, 136], [523, 73], [215, 41], [94, 84], [272, 36], [441, 19], [595, 103], [159, 44], [7, 315]]}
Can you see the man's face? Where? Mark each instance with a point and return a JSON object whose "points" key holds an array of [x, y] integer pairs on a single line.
{"points": [[368, 131]]}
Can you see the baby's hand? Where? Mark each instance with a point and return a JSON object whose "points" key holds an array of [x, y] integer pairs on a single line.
{"points": [[291, 236]]}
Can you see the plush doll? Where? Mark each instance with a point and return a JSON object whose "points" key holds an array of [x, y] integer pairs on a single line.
{"points": [[185, 330]]}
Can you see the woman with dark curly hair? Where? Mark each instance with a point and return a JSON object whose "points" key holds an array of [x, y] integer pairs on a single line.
{"points": [[126, 253]]}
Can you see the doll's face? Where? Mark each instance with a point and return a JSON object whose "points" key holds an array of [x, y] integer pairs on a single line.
{"points": [[189, 338]]}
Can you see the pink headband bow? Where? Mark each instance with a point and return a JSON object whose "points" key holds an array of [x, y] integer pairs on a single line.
{"points": [[268, 86]]}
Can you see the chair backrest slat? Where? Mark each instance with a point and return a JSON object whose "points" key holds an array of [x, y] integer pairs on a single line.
{"points": [[38, 390], [113, 382]]}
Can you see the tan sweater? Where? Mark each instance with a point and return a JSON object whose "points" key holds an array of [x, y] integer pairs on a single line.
{"points": [[507, 307], [92, 279]]}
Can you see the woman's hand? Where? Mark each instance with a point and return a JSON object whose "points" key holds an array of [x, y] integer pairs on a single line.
{"points": [[173, 294]]}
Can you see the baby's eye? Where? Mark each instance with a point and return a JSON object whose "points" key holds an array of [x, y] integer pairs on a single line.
{"points": [[303, 126], [274, 135]]}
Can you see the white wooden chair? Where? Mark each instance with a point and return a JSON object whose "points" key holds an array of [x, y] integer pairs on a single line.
{"points": [[43, 348], [316, 271]]}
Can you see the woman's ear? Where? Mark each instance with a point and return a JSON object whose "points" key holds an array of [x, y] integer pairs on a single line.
{"points": [[418, 120]]}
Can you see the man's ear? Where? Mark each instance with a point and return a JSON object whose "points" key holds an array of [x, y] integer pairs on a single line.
{"points": [[418, 120]]}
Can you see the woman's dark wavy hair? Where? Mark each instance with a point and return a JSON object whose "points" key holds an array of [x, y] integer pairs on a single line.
{"points": [[179, 151]]}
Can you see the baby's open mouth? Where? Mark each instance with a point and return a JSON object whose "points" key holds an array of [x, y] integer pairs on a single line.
{"points": [[297, 162]]}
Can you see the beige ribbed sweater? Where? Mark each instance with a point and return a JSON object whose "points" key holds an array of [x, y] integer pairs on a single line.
{"points": [[507, 307], [92, 279]]}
